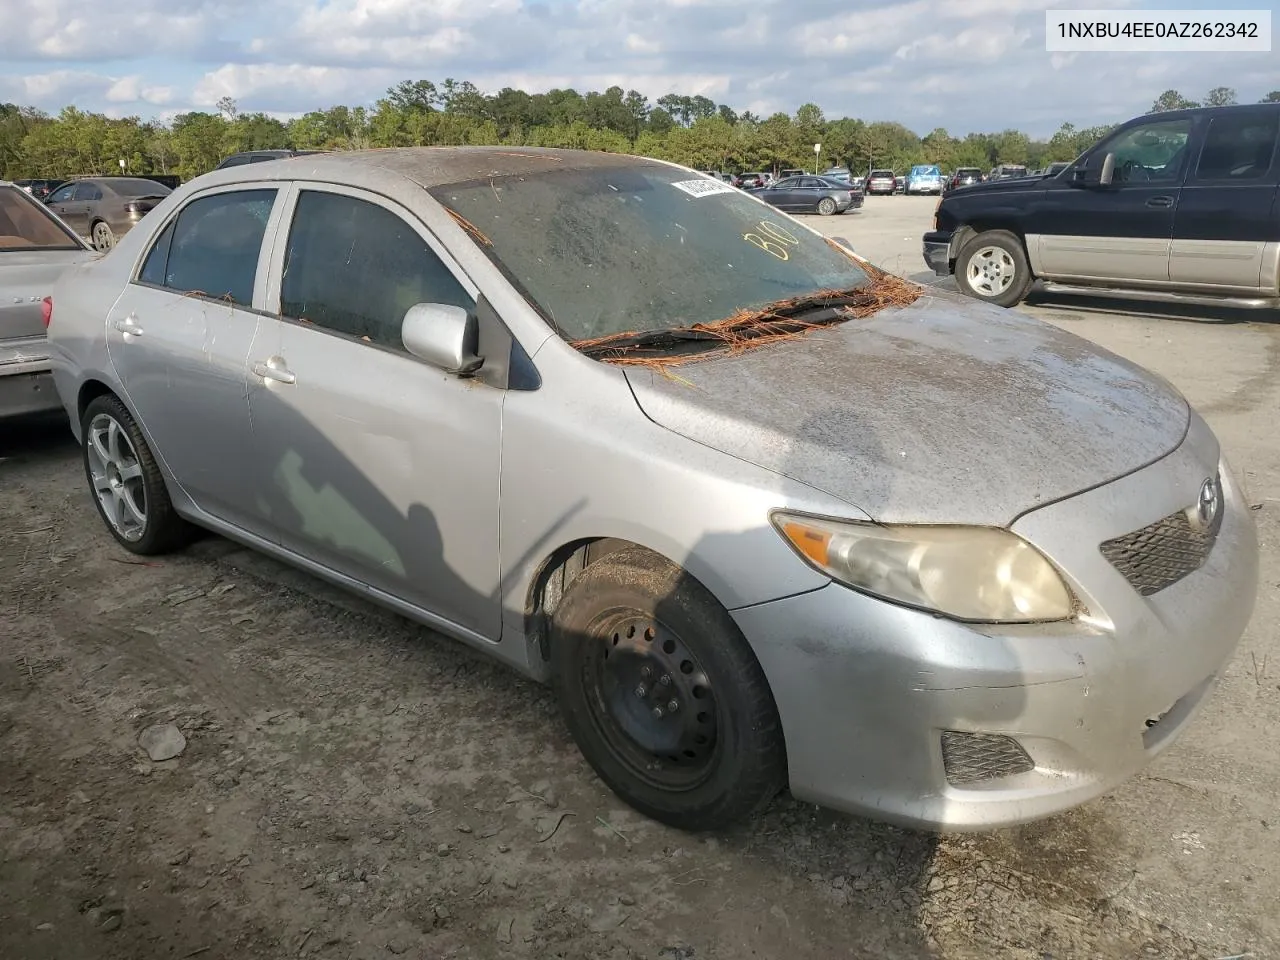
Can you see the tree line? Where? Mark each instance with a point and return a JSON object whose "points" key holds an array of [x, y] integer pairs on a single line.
{"points": [[692, 130]]}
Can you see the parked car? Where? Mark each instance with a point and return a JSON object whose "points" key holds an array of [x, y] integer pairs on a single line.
{"points": [[35, 246], [924, 179], [1178, 205], [778, 568], [262, 156], [1007, 171], [838, 173], [37, 188], [105, 208], [1055, 168], [791, 172], [880, 182], [899, 184], [751, 181], [810, 194], [965, 176]]}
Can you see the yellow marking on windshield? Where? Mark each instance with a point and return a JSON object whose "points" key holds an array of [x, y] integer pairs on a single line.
{"points": [[772, 239]]}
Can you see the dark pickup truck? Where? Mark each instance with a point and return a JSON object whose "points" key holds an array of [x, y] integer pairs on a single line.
{"points": [[1182, 206]]}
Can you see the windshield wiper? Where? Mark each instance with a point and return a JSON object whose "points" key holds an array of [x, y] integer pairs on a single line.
{"points": [[777, 319]]}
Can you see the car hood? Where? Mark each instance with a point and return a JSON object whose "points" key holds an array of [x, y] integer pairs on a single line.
{"points": [[947, 411]]}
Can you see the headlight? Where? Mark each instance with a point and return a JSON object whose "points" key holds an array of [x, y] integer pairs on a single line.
{"points": [[967, 573]]}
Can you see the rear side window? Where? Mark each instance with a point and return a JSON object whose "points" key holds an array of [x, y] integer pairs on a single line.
{"points": [[356, 268], [1239, 147], [211, 249], [25, 224], [87, 191]]}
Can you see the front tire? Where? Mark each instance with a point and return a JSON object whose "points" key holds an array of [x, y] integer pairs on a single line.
{"points": [[663, 695], [826, 206], [992, 266], [127, 486]]}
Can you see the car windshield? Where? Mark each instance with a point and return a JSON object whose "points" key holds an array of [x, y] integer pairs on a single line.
{"points": [[26, 225], [137, 187], [924, 171], [641, 246]]}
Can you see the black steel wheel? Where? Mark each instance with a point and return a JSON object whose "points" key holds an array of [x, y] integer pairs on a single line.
{"points": [[663, 695]]}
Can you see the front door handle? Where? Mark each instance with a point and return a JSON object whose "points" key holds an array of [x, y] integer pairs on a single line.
{"points": [[128, 326], [1160, 202], [273, 368]]}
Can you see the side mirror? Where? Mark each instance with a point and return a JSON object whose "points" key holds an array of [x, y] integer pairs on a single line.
{"points": [[443, 335], [1108, 172]]}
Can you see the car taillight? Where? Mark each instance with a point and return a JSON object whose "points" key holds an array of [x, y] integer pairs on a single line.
{"points": [[46, 311]]}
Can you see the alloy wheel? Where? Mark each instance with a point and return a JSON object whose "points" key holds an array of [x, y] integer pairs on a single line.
{"points": [[116, 476]]}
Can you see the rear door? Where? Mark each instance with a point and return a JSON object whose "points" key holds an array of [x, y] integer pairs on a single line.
{"points": [[1120, 232], [1225, 227], [179, 339]]}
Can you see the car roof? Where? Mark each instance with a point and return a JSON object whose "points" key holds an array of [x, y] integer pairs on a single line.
{"points": [[1198, 111], [434, 166], [395, 168]]}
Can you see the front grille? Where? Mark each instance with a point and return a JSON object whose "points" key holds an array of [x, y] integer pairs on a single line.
{"points": [[1159, 555], [974, 757]]}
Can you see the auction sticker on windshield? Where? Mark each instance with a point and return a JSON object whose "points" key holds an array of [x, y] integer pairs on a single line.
{"points": [[704, 187]]}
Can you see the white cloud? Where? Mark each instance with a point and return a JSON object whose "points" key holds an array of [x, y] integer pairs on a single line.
{"points": [[132, 89]]}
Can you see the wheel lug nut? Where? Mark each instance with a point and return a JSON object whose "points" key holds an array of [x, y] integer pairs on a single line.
{"points": [[665, 679], [657, 713], [646, 672], [673, 705], [641, 690]]}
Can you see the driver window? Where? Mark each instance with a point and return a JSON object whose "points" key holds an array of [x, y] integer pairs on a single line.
{"points": [[355, 268], [1151, 153], [62, 194]]}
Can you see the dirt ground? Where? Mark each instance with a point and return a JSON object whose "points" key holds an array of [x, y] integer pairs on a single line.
{"points": [[354, 786]]}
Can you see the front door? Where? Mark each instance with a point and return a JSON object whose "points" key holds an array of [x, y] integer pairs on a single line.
{"points": [[1122, 231], [74, 211], [179, 339], [373, 463], [1226, 215]]}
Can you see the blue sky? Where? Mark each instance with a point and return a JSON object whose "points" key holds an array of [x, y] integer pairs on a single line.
{"points": [[960, 64]]}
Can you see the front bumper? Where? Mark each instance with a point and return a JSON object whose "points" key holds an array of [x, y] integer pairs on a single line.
{"points": [[866, 689], [937, 252]]}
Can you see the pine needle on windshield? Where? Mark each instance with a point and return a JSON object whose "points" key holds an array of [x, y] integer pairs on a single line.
{"points": [[750, 329]]}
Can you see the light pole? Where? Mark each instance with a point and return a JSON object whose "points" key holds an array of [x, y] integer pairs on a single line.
{"points": [[817, 151]]}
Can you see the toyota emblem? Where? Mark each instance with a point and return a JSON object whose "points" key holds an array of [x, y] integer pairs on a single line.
{"points": [[1210, 502]]}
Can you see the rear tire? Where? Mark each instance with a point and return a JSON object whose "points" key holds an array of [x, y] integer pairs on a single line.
{"points": [[992, 266], [826, 206], [104, 237], [663, 695], [125, 481]]}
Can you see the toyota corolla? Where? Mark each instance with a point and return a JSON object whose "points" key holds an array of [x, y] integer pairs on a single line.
{"points": [[765, 516]]}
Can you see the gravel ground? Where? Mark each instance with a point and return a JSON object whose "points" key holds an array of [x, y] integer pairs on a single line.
{"points": [[353, 786]]}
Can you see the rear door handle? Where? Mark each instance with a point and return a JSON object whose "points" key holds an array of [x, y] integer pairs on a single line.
{"points": [[128, 326], [1160, 202], [273, 368]]}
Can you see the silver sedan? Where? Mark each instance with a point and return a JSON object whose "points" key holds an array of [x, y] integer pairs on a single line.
{"points": [[764, 516], [35, 246]]}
